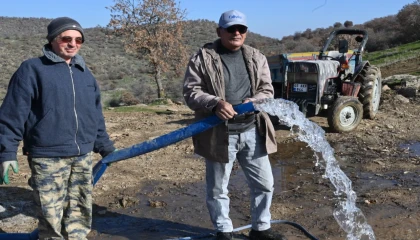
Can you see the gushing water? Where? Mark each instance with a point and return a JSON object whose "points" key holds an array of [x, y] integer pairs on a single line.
{"points": [[348, 216]]}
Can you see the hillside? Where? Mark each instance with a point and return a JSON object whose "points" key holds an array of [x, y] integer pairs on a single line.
{"points": [[398, 60]]}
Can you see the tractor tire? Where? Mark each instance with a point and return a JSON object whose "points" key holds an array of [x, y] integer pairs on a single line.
{"points": [[274, 120], [370, 91], [345, 115]]}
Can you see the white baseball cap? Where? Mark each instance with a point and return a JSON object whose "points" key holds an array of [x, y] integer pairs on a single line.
{"points": [[232, 17]]}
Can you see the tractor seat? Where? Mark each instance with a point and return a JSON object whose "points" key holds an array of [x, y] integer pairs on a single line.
{"points": [[334, 54], [343, 48]]}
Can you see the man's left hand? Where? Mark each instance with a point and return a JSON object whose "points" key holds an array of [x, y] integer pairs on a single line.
{"points": [[4, 170]]}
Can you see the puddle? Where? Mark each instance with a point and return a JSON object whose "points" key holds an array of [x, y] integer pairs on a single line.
{"points": [[368, 181], [292, 160], [413, 148]]}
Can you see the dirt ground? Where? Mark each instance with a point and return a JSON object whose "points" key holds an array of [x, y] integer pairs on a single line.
{"points": [[160, 195]]}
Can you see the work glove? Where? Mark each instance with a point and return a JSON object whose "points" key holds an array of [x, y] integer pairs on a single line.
{"points": [[4, 170]]}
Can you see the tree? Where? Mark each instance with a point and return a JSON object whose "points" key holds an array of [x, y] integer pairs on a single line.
{"points": [[337, 25], [409, 19], [152, 30], [348, 24]]}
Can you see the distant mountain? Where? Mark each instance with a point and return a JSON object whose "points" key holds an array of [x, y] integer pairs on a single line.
{"points": [[18, 27]]}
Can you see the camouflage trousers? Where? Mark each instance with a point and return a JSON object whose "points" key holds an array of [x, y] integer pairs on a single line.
{"points": [[62, 190]]}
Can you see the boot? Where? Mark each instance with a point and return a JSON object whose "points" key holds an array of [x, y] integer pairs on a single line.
{"points": [[224, 236]]}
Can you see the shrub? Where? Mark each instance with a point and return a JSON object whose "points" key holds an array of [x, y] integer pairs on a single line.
{"points": [[128, 99]]}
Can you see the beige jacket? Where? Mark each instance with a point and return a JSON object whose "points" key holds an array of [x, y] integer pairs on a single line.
{"points": [[204, 87]]}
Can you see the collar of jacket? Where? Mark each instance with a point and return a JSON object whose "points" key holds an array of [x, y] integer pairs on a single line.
{"points": [[247, 51], [76, 60], [210, 48]]}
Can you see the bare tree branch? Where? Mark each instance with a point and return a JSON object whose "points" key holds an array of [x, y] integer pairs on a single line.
{"points": [[152, 29]]}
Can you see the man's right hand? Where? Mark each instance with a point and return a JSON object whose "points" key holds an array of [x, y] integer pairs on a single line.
{"points": [[4, 170], [224, 110]]}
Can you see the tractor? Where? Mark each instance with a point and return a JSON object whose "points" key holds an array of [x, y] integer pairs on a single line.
{"points": [[335, 81]]}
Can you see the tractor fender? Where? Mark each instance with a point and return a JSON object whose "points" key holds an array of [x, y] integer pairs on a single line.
{"points": [[359, 68]]}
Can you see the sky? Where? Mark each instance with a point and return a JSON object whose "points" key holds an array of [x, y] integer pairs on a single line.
{"points": [[271, 18]]}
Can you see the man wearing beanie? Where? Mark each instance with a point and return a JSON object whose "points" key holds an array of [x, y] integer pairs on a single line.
{"points": [[220, 75], [53, 105]]}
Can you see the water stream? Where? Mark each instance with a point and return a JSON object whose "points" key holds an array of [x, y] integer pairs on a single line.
{"points": [[348, 216]]}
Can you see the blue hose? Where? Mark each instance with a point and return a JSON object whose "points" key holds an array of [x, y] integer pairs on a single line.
{"points": [[140, 149], [20, 236], [163, 141]]}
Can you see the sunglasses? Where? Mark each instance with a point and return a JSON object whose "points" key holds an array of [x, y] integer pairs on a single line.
{"points": [[67, 39], [240, 28]]}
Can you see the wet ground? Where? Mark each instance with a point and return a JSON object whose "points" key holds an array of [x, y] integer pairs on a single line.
{"points": [[294, 170], [413, 148], [302, 195]]}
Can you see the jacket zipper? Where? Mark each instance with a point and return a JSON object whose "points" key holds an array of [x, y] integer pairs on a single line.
{"points": [[220, 82], [75, 112]]}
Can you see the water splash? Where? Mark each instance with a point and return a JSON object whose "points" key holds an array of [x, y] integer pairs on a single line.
{"points": [[348, 216]]}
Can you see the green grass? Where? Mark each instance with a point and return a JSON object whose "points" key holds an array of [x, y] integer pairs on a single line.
{"points": [[392, 55]]}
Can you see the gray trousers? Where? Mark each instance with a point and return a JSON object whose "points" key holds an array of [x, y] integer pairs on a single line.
{"points": [[249, 149], [63, 196]]}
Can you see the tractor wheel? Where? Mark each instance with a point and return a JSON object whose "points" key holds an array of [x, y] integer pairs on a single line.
{"points": [[274, 120], [345, 115], [370, 91]]}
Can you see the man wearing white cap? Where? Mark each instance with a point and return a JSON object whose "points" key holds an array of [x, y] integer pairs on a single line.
{"points": [[219, 76]]}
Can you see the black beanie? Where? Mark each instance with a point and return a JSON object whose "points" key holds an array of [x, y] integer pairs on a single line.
{"points": [[62, 24]]}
